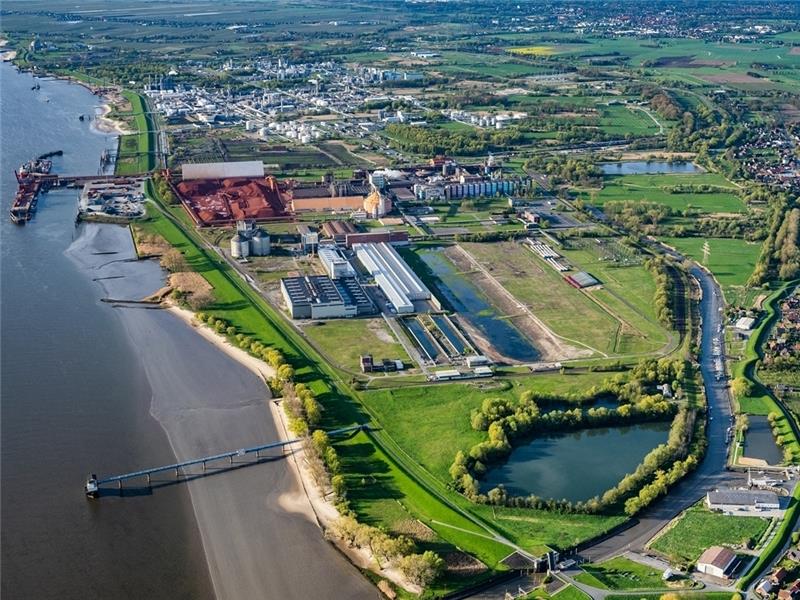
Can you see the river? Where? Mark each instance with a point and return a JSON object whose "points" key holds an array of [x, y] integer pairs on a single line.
{"points": [[91, 388]]}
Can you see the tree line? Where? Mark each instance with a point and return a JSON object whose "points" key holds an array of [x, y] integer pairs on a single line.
{"points": [[509, 422]]}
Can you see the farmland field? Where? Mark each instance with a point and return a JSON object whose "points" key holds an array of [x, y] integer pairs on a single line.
{"points": [[598, 318], [656, 188], [731, 260]]}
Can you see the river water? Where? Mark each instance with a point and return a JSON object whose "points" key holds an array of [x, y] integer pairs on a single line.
{"points": [[74, 395], [87, 387]]}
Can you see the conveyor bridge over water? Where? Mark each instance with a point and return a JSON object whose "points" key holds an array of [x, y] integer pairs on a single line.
{"points": [[92, 487]]}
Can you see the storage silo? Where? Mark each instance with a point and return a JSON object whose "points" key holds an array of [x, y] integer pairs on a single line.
{"points": [[260, 243], [240, 247]]}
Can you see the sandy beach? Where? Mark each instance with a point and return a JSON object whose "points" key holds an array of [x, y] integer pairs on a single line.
{"points": [[104, 124], [259, 534]]}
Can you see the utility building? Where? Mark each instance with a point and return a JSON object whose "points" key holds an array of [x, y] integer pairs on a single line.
{"points": [[335, 263]]}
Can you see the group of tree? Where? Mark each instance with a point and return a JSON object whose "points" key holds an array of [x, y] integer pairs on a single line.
{"points": [[272, 356], [434, 140], [640, 216], [301, 407], [510, 421], [779, 256], [164, 190], [664, 296], [567, 169], [420, 569]]}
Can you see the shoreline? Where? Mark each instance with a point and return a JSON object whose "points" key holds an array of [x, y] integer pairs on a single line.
{"points": [[103, 124], [209, 396], [309, 501]]}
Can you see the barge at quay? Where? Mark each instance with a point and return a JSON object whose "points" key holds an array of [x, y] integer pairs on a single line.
{"points": [[29, 178]]}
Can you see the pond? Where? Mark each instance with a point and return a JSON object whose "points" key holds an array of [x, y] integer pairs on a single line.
{"points": [[760, 443], [474, 307], [577, 465], [648, 167]]}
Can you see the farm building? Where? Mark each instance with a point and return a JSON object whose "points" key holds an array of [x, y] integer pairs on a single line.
{"points": [[396, 280], [718, 562], [738, 500]]}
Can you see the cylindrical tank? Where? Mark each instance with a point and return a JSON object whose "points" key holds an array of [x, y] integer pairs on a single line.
{"points": [[240, 247], [260, 243]]}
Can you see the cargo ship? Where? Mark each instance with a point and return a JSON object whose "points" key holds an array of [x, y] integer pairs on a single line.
{"points": [[30, 186]]}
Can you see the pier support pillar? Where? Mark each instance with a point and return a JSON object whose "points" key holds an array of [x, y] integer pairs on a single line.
{"points": [[204, 466], [258, 454], [230, 460], [119, 483], [148, 480], [176, 472]]}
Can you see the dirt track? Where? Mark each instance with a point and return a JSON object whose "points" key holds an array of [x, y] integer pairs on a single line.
{"points": [[549, 345]]}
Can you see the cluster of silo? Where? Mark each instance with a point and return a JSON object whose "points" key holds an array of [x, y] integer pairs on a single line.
{"points": [[249, 240]]}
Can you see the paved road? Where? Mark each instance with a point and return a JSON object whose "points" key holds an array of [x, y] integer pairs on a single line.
{"points": [[712, 471]]}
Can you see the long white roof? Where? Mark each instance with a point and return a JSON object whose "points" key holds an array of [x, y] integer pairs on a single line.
{"points": [[223, 170]]}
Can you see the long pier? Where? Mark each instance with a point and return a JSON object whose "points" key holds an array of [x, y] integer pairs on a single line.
{"points": [[93, 484]]}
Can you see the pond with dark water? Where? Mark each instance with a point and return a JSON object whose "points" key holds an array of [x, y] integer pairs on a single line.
{"points": [[577, 465]]}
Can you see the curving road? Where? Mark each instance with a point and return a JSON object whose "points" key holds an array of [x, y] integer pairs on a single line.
{"points": [[712, 471]]}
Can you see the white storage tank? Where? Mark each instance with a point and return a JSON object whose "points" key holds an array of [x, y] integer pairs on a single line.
{"points": [[240, 247], [260, 243]]}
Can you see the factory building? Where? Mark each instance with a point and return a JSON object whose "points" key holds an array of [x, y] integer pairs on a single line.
{"points": [[470, 188], [377, 205], [249, 240], [397, 281], [338, 230], [309, 239], [336, 265], [320, 297], [222, 170]]}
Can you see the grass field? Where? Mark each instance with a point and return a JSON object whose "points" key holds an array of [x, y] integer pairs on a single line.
{"points": [[621, 574], [568, 592], [655, 188], [731, 260], [136, 151], [534, 529], [343, 341], [432, 422], [615, 320], [699, 528]]}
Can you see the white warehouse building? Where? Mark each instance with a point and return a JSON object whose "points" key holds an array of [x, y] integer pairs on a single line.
{"points": [[395, 278], [335, 264]]}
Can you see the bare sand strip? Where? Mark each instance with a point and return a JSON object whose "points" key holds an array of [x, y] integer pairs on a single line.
{"points": [[104, 124], [209, 402]]}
